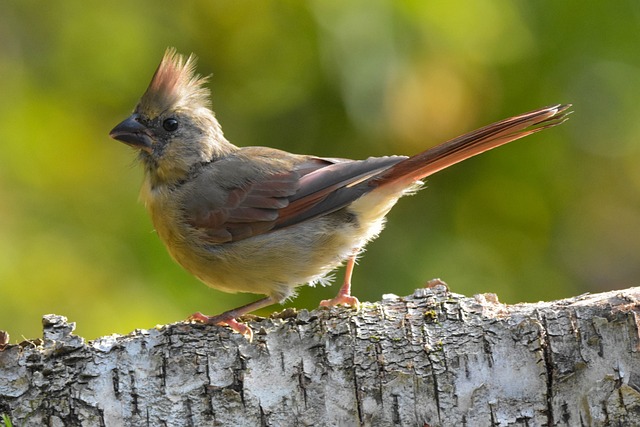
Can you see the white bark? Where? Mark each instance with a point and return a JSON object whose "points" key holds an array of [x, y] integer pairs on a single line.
{"points": [[434, 358]]}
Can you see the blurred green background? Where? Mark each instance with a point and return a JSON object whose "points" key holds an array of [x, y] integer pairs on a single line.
{"points": [[551, 216]]}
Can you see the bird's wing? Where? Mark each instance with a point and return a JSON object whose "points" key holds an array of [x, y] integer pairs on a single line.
{"points": [[312, 188], [332, 187]]}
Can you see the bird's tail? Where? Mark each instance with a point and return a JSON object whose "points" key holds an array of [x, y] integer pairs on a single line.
{"points": [[458, 149]]}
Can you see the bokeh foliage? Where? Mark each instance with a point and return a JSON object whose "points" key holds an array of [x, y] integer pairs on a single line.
{"points": [[551, 216]]}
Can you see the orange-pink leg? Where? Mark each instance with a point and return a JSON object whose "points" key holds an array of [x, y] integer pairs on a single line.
{"points": [[228, 318], [344, 294]]}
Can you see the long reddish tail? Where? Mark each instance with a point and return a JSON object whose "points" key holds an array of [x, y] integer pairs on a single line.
{"points": [[458, 149]]}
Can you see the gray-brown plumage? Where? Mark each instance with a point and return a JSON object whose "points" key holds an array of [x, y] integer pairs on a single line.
{"points": [[261, 220]]}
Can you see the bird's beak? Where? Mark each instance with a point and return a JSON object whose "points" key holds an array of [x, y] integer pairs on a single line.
{"points": [[132, 132]]}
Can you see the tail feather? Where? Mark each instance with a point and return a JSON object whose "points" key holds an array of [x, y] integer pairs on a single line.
{"points": [[458, 149]]}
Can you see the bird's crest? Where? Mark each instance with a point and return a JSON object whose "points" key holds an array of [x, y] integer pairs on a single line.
{"points": [[174, 84]]}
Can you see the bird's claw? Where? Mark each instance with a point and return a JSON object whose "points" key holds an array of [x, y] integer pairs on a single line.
{"points": [[436, 282], [222, 320], [340, 299]]}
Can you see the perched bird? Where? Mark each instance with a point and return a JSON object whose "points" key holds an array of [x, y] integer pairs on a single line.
{"points": [[262, 220]]}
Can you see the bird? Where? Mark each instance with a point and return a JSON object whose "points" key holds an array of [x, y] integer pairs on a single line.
{"points": [[262, 220]]}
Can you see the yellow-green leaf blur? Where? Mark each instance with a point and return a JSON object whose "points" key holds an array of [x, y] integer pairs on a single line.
{"points": [[554, 215]]}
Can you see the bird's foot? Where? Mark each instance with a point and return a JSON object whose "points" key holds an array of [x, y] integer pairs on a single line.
{"points": [[340, 299], [223, 320], [436, 282]]}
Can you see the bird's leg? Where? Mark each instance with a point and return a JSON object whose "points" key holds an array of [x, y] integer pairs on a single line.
{"points": [[344, 294], [229, 317]]}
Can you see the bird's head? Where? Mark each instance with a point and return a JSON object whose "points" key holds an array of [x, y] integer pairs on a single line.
{"points": [[172, 125]]}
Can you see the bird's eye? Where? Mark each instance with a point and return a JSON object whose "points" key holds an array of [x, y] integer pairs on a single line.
{"points": [[170, 125]]}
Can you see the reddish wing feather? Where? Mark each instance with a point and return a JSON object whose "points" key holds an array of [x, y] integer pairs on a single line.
{"points": [[252, 209], [248, 210], [316, 187], [331, 188]]}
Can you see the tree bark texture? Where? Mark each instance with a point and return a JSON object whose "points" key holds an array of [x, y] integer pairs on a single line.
{"points": [[431, 359]]}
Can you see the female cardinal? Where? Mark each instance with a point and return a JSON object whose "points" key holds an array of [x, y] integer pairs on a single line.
{"points": [[262, 220]]}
